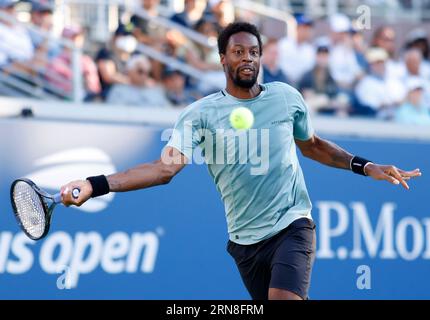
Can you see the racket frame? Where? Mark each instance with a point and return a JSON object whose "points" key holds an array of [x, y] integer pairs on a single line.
{"points": [[43, 195]]}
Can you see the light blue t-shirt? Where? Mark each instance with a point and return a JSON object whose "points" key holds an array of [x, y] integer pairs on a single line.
{"points": [[407, 113], [256, 171]]}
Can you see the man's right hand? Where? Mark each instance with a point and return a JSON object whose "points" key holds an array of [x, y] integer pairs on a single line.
{"points": [[85, 193]]}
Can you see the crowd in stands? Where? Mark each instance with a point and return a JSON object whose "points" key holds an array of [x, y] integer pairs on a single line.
{"points": [[338, 74]]}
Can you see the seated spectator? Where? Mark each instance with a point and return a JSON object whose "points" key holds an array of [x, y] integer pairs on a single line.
{"points": [[377, 91], [417, 39], [297, 55], [144, 30], [212, 76], [208, 55], [270, 61], [318, 86], [15, 42], [174, 84], [60, 70], [385, 38], [149, 33], [189, 16], [343, 62], [413, 63], [221, 12], [111, 60], [414, 111], [41, 16], [141, 90], [200, 57], [414, 69]]}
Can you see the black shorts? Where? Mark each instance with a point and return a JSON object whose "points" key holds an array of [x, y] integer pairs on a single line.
{"points": [[283, 261]]}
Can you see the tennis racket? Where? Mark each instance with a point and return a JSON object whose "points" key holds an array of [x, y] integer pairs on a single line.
{"points": [[33, 207]]}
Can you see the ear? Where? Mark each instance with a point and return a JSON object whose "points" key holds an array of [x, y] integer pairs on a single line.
{"points": [[222, 58]]}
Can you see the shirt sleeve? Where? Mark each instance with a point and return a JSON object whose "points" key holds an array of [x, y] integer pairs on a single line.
{"points": [[303, 129], [187, 133]]}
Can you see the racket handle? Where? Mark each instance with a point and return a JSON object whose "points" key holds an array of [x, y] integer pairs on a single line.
{"points": [[75, 195]]}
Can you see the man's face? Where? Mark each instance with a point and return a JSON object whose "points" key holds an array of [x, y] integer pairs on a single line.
{"points": [[8, 10], [413, 62], [149, 4], [190, 5], [322, 59], [386, 40], [174, 83], [304, 32], [138, 74], [378, 68], [241, 60], [42, 19]]}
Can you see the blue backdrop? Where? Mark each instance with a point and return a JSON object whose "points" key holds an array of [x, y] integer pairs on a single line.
{"points": [[168, 242]]}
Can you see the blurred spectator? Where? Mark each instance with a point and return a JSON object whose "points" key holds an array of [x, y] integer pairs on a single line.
{"points": [[385, 38], [111, 61], [414, 111], [15, 42], [270, 62], [417, 39], [343, 62], [189, 16], [379, 93], [174, 83], [318, 86], [141, 90], [61, 67], [297, 56], [208, 55], [413, 60], [222, 11], [144, 30], [41, 15], [212, 77], [414, 69], [199, 56], [205, 59], [45, 50], [150, 33]]}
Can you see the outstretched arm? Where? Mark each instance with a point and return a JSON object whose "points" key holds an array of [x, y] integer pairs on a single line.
{"points": [[332, 155], [143, 176]]}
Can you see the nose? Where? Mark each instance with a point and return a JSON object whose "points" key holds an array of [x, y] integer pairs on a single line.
{"points": [[247, 57]]}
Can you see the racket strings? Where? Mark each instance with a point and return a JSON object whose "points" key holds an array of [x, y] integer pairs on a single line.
{"points": [[29, 209]]}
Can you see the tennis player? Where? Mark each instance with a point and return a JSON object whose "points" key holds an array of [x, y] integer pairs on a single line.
{"points": [[271, 231]]}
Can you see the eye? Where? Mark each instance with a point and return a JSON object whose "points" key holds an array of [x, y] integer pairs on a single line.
{"points": [[239, 51], [254, 52]]}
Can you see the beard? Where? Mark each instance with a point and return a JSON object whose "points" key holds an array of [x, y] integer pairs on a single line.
{"points": [[239, 81]]}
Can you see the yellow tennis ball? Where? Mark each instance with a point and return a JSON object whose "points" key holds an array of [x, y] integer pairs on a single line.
{"points": [[241, 118]]}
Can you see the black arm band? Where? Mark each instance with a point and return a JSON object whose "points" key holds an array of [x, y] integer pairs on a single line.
{"points": [[100, 185], [358, 165]]}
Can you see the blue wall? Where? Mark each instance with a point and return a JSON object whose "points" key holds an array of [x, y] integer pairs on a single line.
{"points": [[169, 242]]}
